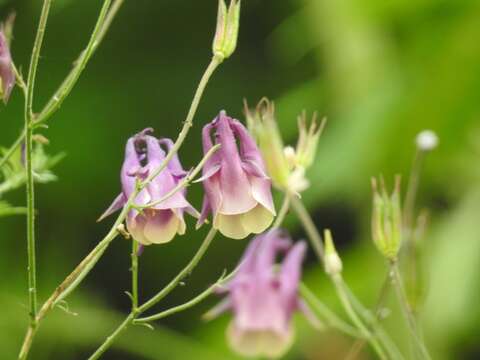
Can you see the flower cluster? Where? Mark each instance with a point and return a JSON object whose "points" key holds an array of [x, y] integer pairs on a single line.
{"points": [[263, 296]]}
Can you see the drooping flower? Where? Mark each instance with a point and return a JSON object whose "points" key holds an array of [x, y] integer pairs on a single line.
{"points": [[263, 297], [157, 224], [238, 190], [7, 76]]}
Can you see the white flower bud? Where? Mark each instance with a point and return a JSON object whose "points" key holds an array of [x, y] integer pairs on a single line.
{"points": [[427, 140]]}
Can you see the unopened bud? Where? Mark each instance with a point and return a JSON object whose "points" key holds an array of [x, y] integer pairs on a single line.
{"points": [[387, 219], [226, 34], [263, 126], [333, 263], [427, 140]]}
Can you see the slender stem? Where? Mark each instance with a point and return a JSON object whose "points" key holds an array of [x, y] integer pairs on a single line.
{"points": [[328, 315], [110, 340], [406, 310], [358, 345], [73, 279], [344, 299], [160, 295], [134, 275], [309, 226], [283, 211], [214, 63], [37, 46], [340, 286], [412, 189], [186, 271], [197, 299], [30, 191], [70, 81]]}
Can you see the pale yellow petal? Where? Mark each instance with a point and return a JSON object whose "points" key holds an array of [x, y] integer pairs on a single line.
{"points": [[259, 343], [231, 226], [257, 220], [161, 233]]}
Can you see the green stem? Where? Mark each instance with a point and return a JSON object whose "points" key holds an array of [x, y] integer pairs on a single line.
{"points": [[412, 189], [337, 280], [358, 345], [328, 315], [214, 63], [283, 212], [67, 85], [197, 299], [111, 339], [73, 279], [30, 190], [186, 271], [70, 81], [309, 226], [407, 312], [134, 275], [344, 299], [160, 295]]}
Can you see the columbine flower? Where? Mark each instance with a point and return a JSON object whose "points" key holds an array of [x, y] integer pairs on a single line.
{"points": [[238, 191], [263, 297], [7, 76], [160, 223]]}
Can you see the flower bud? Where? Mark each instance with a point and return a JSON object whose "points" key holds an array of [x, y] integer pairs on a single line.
{"points": [[7, 76], [226, 34], [333, 263], [427, 140], [263, 125], [307, 140], [387, 219]]}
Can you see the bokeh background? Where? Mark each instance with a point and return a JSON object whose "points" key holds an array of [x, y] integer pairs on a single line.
{"points": [[381, 71]]}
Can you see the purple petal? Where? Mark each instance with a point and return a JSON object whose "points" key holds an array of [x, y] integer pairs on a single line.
{"points": [[6, 68], [291, 271], [117, 204], [174, 164]]}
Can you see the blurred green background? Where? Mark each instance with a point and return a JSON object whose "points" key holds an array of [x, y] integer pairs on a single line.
{"points": [[381, 71]]}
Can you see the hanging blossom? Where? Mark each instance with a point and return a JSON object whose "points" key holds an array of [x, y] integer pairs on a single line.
{"points": [[7, 76], [160, 223], [237, 188], [263, 297]]}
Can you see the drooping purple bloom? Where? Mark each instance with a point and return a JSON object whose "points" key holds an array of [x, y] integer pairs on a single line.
{"points": [[237, 189], [264, 297], [160, 223], [7, 76]]}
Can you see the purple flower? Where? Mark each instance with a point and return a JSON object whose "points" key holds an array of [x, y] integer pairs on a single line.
{"points": [[7, 76], [238, 191], [264, 297], [160, 223]]}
